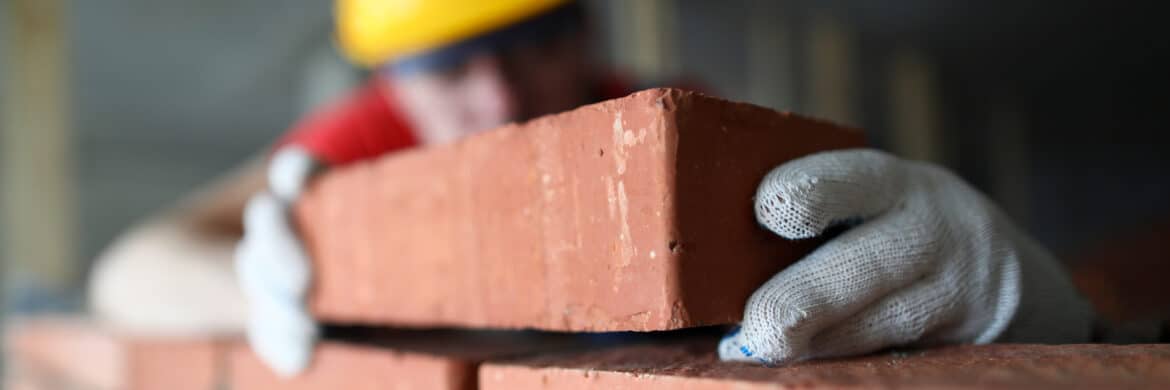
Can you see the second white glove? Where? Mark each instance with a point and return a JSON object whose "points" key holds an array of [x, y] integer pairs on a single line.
{"points": [[274, 270]]}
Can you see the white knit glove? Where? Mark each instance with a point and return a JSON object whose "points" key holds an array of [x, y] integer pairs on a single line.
{"points": [[928, 260], [274, 269]]}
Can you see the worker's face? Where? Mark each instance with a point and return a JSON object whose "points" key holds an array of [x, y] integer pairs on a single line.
{"points": [[493, 88]]}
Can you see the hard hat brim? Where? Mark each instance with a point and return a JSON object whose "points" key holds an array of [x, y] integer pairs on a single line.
{"points": [[556, 22]]}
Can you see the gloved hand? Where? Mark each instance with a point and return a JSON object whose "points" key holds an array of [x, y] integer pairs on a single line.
{"points": [[928, 260], [274, 269]]}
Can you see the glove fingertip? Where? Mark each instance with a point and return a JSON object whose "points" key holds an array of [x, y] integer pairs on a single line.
{"points": [[734, 348], [285, 359], [286, 348]]}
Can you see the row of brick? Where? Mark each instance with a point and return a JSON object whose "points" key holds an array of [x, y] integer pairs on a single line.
{"points": [[72, 353], [56, 354]]}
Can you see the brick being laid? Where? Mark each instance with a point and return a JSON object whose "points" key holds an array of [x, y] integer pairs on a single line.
{"points": [[630, 214], [694, 366]]}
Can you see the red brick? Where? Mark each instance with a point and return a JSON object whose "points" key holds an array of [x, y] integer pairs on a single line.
{"points": [[1124, 276], [357, 367], [694, 366], [75, 353], [631, 214], [397, 360]]}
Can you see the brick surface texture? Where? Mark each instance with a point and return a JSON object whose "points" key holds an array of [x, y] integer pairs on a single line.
{"points": [[694, 366], [630, 214]]}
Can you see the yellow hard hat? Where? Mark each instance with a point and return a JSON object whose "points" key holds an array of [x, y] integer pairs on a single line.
{"points": [[372, 32]]}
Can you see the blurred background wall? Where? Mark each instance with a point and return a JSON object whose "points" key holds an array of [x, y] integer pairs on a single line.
{"points": [[114, 109]]}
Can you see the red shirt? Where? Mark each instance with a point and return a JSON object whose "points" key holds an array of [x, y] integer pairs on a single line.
{"points": [[368, 123], [364, 124]]}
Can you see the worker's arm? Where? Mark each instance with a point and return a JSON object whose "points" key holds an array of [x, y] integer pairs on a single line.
{"points": [[216, 210], [173, 272]]}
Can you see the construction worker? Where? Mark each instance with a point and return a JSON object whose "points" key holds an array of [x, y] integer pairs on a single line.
{"points": [[928, 260]]}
